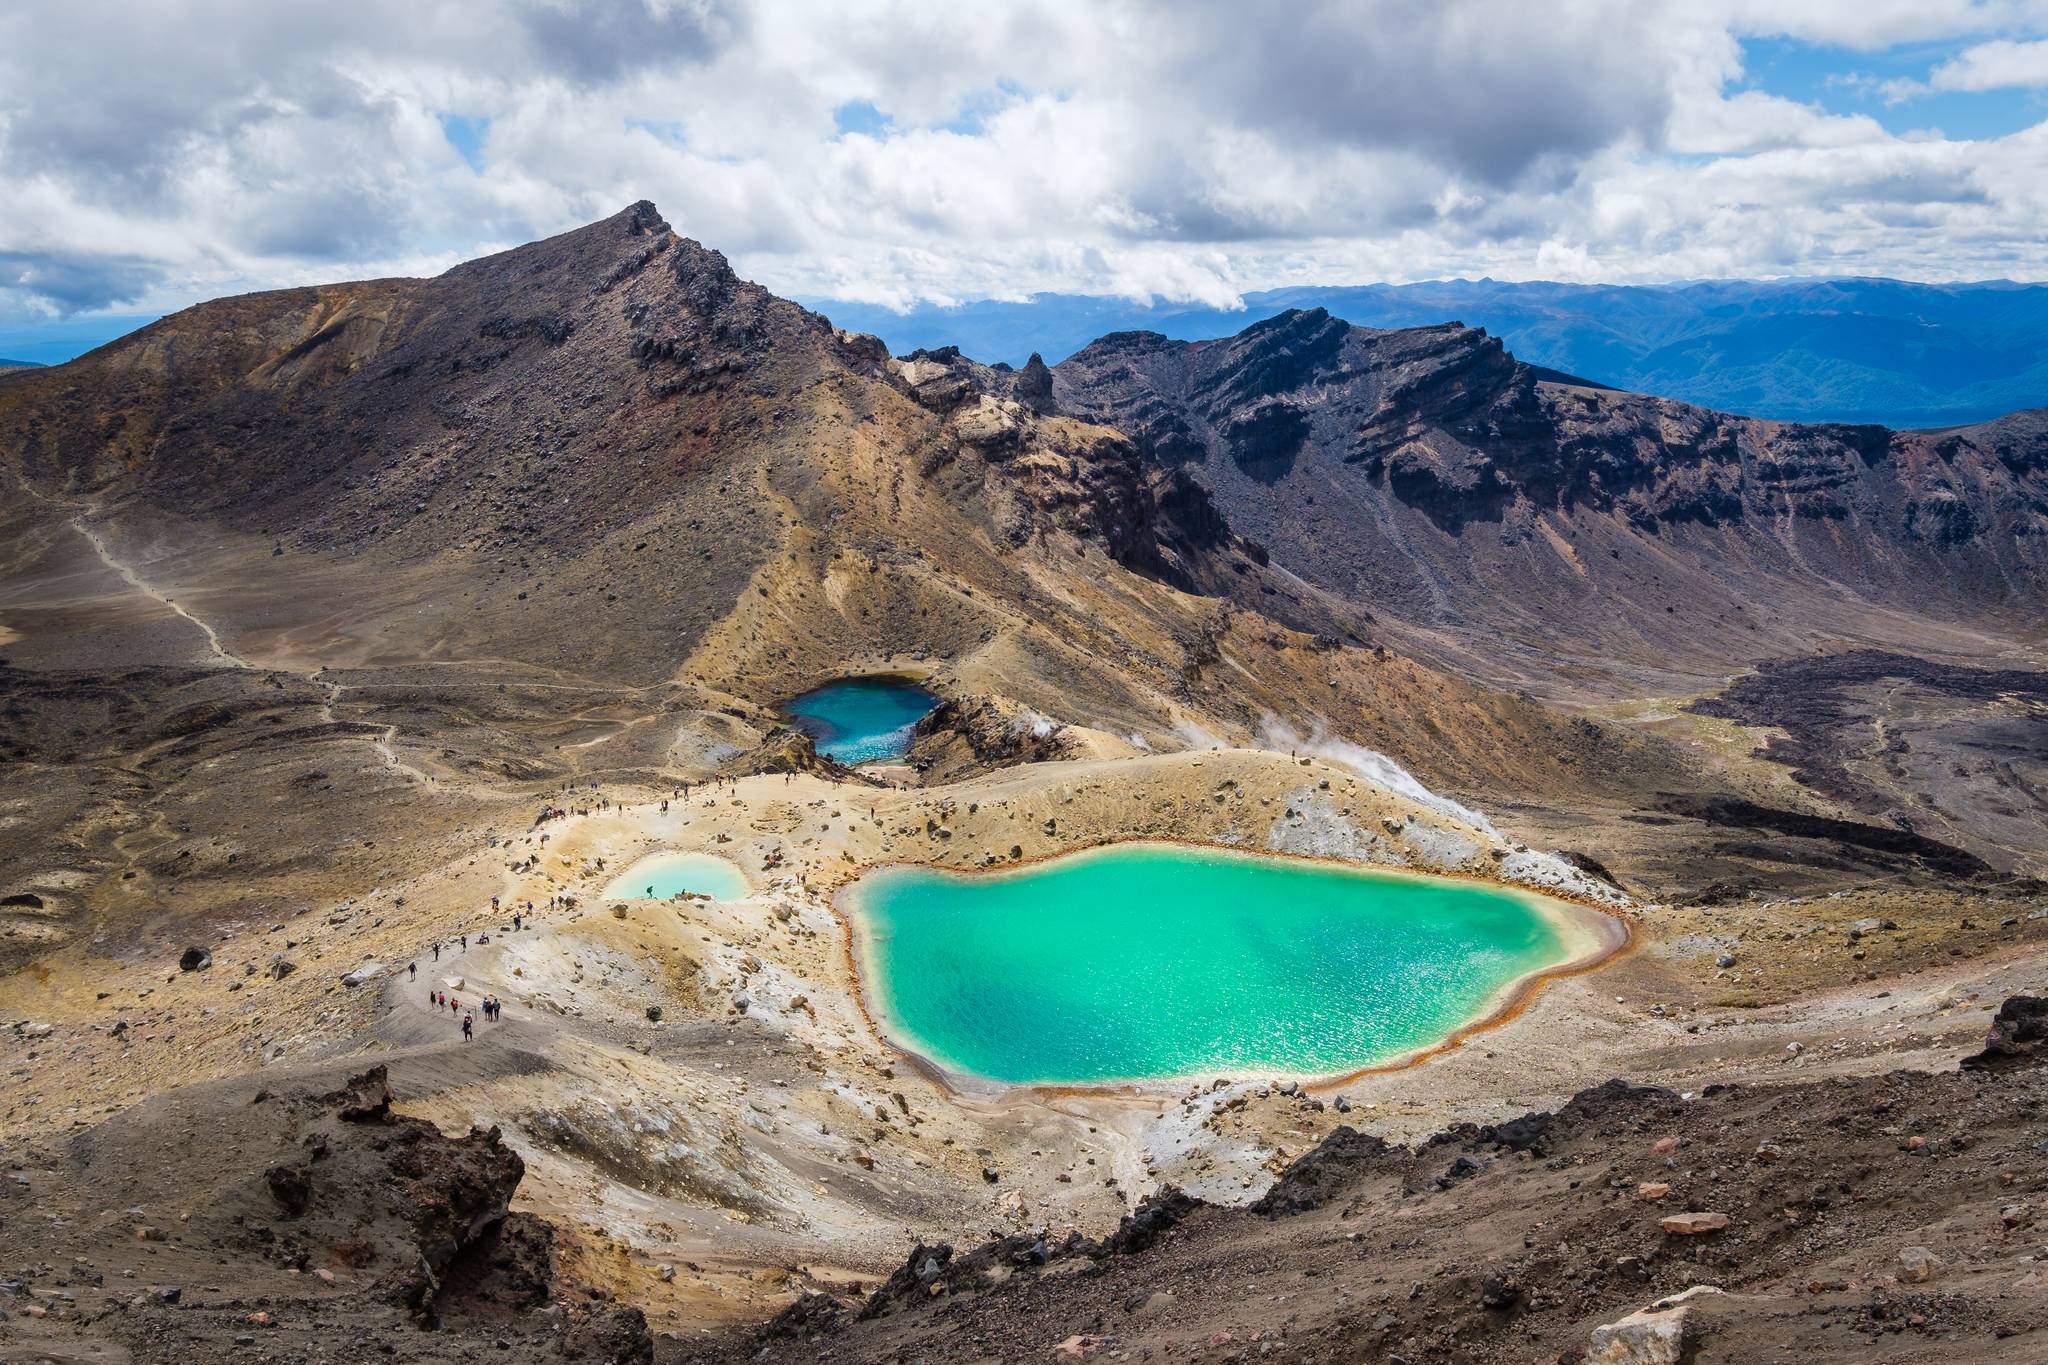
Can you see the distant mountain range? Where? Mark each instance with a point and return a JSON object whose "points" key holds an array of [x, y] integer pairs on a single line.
{"points": [[1844, 350], [6, 364]]}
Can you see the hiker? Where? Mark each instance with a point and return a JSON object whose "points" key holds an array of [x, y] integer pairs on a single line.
{"points": [[494, 903], [412, 971], [465, 943], [454, 1005], [437, 952], [468, 1028], [515, 921]]}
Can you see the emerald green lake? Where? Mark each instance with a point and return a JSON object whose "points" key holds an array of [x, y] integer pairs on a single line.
{"points": [[1152, 961], [662, 875]]}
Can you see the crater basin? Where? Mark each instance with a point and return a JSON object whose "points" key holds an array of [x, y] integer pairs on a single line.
{"points": [[862, 720], [1145, 962]]}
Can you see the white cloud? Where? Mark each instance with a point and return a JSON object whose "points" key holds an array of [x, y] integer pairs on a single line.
{"points": [[1994, 66], [161, 153]]}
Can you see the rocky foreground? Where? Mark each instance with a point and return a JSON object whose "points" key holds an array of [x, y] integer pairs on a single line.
{"points": [[1873, 1219], [1890, 1218]]}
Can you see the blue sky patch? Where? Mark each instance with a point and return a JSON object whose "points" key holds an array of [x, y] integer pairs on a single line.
{"points": [[1842, 81], [862, 117], [466, 134]]}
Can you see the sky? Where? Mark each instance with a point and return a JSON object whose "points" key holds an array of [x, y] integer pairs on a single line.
{"points": [[154, 153]]}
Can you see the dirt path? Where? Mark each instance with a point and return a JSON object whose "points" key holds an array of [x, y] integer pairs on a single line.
{"points": [[143, 586], [382, 742]]}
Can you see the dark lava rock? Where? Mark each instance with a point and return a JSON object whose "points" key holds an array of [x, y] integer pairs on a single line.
{"points": [[1319, 1174], [292, 1186], [511, 1265], [366, 1098], [2017, 1032], [618, 1336], [195, 960], [812, 1315], [1153, 1217], [924, 1265], [1033, 386]]}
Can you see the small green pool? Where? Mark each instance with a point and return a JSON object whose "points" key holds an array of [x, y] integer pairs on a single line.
{"points": [[1146, 961], [662, 875]]}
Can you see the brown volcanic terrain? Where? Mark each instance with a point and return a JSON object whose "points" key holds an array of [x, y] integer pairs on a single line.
{"points": [[309, 600], [1560, 529], [1601, 548]]}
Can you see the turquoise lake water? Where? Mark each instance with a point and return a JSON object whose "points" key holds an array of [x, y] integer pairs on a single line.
{"points": [[1150, 961], [862, 720], [662, 875]]}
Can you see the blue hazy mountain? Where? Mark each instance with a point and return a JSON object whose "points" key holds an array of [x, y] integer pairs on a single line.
{"points": [[1850, 350]]}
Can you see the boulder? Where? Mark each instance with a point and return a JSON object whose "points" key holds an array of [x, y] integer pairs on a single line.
{"points": [[1918, 1265], [2017, 1032], [618, 1336], [365, 1099], [195, 959], [369, 971], [1694, 1224], [1660, 1334]]}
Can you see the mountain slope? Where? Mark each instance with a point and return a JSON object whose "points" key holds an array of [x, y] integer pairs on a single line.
{"points": [[601, 468], [1845, 350], [1542, 529]]}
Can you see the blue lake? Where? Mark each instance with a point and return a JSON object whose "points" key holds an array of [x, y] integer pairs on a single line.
{"points": [[862, 720]]}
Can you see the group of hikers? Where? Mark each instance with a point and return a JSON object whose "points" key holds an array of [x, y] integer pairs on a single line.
{"points": [[492, 1007]]}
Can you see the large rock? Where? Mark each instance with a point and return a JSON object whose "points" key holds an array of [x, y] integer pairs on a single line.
{"points": [[2017, 1032], [1033, 386], [1918, 1265], [365, 1099], [616, 1336], [195, 959], [1661, 1334]]}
